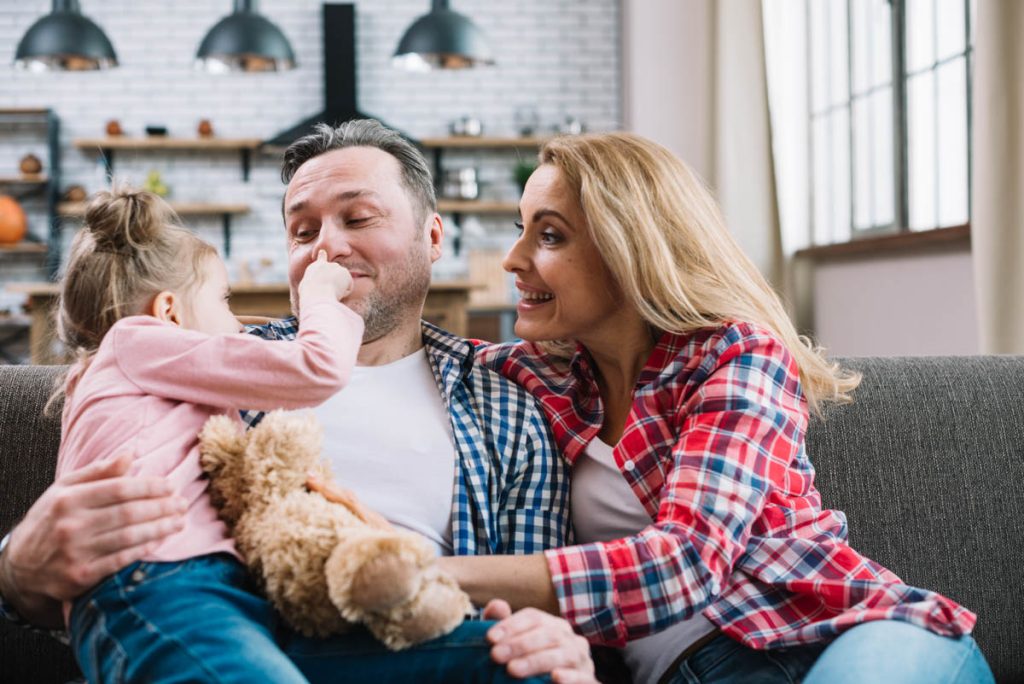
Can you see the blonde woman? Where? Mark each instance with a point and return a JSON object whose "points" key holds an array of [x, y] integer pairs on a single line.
{"points": [[680, 392]]}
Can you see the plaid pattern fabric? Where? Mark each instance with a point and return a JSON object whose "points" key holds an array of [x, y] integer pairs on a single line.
{"points": [[511, 489], [714, 450], [8, 613]]}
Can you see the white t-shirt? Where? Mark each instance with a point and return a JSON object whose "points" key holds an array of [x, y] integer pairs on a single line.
{"points": [[388, 438], [605, 508]]}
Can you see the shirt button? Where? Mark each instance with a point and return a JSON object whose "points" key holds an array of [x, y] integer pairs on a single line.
{"points": [[629, 466]]}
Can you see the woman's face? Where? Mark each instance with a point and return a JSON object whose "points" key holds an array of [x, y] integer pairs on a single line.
{"points": [[566, 290]]}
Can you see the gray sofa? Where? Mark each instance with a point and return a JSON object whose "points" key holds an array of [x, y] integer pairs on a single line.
{"points": [[928, 465]]}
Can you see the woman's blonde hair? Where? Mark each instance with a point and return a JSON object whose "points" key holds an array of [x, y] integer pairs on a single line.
{"points": [[131, 248], [662, 236]]}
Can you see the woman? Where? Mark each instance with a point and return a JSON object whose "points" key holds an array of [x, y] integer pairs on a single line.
{"points": [[680, 392]]}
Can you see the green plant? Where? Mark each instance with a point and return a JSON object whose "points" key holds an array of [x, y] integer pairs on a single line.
{"points": [[522, 172]]}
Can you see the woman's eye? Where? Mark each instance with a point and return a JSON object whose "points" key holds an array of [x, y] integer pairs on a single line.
{"points": [[550, 237]]}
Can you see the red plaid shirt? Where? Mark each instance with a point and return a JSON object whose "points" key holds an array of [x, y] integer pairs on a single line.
{"points": [[714, 450]]}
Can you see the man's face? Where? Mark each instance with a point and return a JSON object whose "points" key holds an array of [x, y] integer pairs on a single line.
{"points": [[352, 203]]}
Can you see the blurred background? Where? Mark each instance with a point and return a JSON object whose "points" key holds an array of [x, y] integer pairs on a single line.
{"points": [[859, 148]]}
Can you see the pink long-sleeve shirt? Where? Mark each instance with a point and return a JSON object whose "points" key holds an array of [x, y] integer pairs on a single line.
{"points": [[152, 385]]}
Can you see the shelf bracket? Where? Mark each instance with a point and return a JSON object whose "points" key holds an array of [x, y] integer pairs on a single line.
{"points": [[107, 155], [226, 220], [246, 163]]}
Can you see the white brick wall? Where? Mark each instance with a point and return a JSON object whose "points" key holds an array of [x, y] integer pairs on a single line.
{"points": [[560, 57]]}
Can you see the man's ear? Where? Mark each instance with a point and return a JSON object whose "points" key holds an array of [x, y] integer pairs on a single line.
{"points": [[436, 236], [166, 307]]}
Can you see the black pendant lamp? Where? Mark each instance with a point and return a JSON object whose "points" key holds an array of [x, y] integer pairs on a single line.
{"points": [[65, 40], [442, 39], [245, 41]]}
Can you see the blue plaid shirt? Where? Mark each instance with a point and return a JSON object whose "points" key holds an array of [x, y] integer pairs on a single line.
{"points": [[511, 486]]}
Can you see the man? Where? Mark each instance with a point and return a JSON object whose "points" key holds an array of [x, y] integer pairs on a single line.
{"points": [[417, 416]]}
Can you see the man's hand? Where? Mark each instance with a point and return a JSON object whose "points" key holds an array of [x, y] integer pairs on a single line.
{"points": [[532, 642], [347, 498], [87, 525]]}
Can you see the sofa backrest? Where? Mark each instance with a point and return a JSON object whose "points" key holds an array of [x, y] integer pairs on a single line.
{"points": [[927, 464]]}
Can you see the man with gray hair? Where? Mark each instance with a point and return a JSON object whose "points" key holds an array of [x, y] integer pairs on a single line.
{"points": [[434, 442]]}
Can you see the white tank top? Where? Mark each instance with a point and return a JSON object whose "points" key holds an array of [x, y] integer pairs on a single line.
{"points": [[605, 508], [388, 437]]}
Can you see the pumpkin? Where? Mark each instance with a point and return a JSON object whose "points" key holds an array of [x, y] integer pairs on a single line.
{"points": [[13, 224]]}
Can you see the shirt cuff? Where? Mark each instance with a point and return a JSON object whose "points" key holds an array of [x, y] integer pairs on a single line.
{"points": [[10, 614]]}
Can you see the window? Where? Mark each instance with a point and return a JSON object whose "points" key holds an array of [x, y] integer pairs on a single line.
{"points": [[889, 115]]}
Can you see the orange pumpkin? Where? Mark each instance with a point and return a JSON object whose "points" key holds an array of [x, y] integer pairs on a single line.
{"points": [[13, 224]]}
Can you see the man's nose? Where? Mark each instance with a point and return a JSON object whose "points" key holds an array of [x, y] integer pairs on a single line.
{"points": [[333, 239]]}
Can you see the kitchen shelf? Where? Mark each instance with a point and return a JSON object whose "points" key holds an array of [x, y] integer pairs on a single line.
{"points": [[46, 184], [24, 248], [25, 179], [481, 142], [224, 210], [476, 207], [108, 145]]}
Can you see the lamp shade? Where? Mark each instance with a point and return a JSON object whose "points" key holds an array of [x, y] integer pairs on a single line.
{"points": [[65, 40], [245, 41], [442, 39]]}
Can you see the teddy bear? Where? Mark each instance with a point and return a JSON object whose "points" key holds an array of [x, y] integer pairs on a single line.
{"points": [[322, 564]]}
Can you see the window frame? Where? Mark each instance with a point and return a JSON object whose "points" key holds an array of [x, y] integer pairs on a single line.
{"points": [[900, 225]]}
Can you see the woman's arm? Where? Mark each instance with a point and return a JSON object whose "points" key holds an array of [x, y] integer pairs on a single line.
{"points": [[522, 581]]}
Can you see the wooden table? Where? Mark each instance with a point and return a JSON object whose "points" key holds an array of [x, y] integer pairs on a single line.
{"points": [[445, 306]]}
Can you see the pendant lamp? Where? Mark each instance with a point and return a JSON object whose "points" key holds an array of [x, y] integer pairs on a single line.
{"points": [[244, 41], [65, 40], [442, 39]]}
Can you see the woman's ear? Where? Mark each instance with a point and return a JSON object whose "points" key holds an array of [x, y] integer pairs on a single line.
{"points": [[166, 307]]}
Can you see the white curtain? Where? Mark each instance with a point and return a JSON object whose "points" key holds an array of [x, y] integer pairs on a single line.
{"points": [[744, 174], [997, 223]]}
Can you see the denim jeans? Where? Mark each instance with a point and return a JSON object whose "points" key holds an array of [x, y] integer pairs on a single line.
{"points": [[881, 651], [201, 620], [198, 620], [460, 657]]}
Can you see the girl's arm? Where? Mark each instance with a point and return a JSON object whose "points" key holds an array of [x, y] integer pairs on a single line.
{"points": [[243, 371]]}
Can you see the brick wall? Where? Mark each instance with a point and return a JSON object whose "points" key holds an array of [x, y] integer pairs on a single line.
{"points": [[560, 57]]}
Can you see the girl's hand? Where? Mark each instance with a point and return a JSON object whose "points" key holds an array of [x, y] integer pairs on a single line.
{"points": [[532, 642], [325, 278]]}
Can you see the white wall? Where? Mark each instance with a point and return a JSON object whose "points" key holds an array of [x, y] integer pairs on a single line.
{"points": [[667, 65], [560, 57], [919, 305]]}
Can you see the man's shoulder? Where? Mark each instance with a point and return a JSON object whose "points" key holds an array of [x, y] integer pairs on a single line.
{"points": [[280, 329]]}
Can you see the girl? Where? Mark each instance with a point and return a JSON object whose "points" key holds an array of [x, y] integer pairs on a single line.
{"points": [[144, 305], [680, 392]]}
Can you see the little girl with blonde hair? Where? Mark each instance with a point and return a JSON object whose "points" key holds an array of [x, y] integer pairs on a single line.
{"points": [[144, 306]]}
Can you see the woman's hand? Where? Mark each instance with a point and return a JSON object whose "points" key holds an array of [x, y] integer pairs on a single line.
{"points": [[339, 495], [532, 642]]}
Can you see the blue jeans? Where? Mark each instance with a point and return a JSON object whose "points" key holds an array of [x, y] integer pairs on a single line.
{"points": [[880, 651], [198, 620], [201, 620], [460, 657]]}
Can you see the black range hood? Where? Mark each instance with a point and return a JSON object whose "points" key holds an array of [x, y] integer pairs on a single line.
{"points": [[339, 28]]}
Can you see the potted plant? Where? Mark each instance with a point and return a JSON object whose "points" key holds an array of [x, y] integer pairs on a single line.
{"points": [[522, 172]]}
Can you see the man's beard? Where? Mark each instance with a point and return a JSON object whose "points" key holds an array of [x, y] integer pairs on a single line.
{"points": [[398, 293]]}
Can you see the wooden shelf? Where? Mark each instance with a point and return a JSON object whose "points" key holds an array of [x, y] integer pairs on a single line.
{"points": [[159, 142], [481, 142], [24, 248], [25, 179], [476, 207], [77, 209], [23, 110]]}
